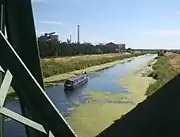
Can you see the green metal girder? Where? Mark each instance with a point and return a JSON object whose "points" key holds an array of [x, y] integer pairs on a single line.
{"points": [[34, 96], [2, 28], [21, 34], [1, 69], [4, 87], [8, 113]]}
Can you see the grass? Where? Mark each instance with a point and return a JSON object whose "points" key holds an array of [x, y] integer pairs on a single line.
{"points": [[162, 73], [109, 61], [55, 66], [61, 77]]}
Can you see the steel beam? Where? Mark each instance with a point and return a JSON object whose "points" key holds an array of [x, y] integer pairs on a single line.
{"points": [[2, 28], [21, 34], [34, 96], [4, 87]]}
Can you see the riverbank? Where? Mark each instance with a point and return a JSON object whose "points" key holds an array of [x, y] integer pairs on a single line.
{"points": [[57, 78], [103, 108], [166, 67], [53, 80], [138, 81]]}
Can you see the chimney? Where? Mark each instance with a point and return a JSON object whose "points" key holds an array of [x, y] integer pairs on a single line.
{"points": [[78, 41], [70, 38]]}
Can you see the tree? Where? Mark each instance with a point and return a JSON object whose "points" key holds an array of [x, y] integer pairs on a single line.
{"points": [[51, 48]]}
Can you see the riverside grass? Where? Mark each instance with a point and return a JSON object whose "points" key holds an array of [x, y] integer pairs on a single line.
{"points": [[58, 71], [160, 74], [52, 67]]}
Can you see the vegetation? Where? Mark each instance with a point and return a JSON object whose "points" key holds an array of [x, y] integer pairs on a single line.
{"points": [[102, 95], [96, 113], [56, 66], [53, 48], [162, 73], [161, 53]]}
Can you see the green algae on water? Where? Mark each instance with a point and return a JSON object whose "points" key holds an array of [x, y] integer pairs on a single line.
{"points": [[98, 95]]}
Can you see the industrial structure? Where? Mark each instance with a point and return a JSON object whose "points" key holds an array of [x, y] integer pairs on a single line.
{"points": [[121, 46], [117, 47], [70, 38], [50, 36], [78, 34]]}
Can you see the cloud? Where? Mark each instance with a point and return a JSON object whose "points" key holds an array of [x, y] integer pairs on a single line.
{"points": [[52, 22], [163, 32]]}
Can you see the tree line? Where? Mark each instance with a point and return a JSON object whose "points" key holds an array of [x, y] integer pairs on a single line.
{"points": [[51, 48]]}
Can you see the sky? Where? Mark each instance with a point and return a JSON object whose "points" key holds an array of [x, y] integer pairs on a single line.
{"points": [[137, 23]]}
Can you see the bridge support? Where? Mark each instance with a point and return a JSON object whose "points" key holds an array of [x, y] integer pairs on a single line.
{"points": [[19, 58]]}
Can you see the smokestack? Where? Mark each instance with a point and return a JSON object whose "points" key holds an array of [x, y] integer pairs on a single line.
{"points": [[70, 38], [78, 41]]}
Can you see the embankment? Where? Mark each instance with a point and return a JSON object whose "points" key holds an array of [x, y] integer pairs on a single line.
{"points": [[163, 71], [58, 69]]}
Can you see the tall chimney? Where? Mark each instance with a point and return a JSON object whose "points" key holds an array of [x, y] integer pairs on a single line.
{"points": [[70, 38], [78, 41]]}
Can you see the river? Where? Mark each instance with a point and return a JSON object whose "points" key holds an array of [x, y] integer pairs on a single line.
{"points": [[98, 81]]}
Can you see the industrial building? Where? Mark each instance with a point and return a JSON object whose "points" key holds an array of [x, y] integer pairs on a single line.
{"points": [[50, 36], [122, 46], [117, 47]]}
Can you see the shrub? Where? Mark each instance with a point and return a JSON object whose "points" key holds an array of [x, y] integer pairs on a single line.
{"points": [[161, 53], [162, 72]]}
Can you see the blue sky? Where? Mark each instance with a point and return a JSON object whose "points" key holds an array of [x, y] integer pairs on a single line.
{"points": [[137, 23]]}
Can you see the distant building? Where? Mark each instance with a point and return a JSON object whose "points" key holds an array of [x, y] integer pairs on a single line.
{"points": [[117, 47], [112, 45], [50, 36], [54, 37], [122, 46]]}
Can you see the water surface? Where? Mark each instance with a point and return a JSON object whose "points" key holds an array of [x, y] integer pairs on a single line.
{"points": [[104, 81]]}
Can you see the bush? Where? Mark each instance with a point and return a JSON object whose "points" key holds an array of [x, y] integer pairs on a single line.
{"points": [[161, 53], [162, 72]]}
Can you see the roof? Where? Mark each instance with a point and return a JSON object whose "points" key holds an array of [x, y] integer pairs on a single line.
{"points": [[111, 43], [76, 77]]}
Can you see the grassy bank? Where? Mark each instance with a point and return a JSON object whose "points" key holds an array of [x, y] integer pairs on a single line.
{"points": [[55, 66], [74, 65], [61, 77], [163, 71]]}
